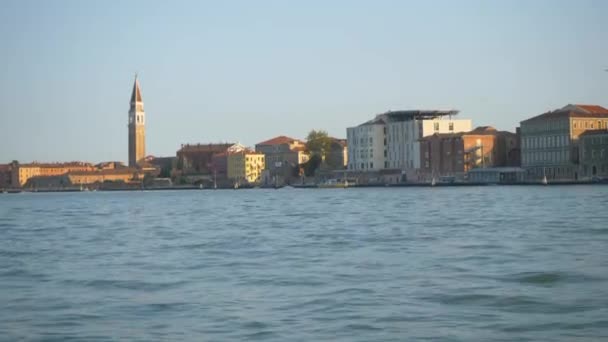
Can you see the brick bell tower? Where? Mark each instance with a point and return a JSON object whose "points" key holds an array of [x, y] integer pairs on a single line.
{"points": [[137, 127]]}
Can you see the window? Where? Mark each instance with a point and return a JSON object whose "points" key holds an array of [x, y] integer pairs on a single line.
{"points": [[371, 165], [451, 126], [436, 126]]}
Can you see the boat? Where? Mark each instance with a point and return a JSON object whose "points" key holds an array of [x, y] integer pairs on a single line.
{"points": [[433, 182], [332, 183], [13, 191], [544, 180]]}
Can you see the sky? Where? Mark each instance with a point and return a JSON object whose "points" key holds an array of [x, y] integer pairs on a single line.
{"points": [[247, 71]]}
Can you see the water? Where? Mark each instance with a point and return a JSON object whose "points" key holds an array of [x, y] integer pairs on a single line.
{"points": [[454, 264]]}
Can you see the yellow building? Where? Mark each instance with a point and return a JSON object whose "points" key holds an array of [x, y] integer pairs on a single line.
{"points": [[246, 166], [21, 173]]}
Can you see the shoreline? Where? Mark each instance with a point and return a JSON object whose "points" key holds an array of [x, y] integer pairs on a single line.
{"points": [[308, 186]]}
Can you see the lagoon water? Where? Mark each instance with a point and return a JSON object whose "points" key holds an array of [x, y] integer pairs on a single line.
{"points": [[395, 264]]}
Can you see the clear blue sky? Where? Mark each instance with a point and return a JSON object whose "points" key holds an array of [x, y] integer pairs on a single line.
{"points": [[250, 70]]}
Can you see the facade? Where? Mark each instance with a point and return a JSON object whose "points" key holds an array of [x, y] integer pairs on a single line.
{"points": [[100, 176], [392, 140], [197, 158], [282, 155], [497, 175], [338, 154], [245, 166], [367, 146], [550, 141], [21, 173], [5, 176], [593, 154], [137, 127], [454, 154]]}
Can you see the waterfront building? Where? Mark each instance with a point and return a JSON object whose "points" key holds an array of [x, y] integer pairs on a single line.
{"points": [[5, 176], [124, 175], [245, 166], [282, 155], [337, 157], [197, 158], [392, 140], [455, 154], [550, 141], [21, 173], [497, 175], [367, 145], [593, 154], [91, 177], [137, 126]]}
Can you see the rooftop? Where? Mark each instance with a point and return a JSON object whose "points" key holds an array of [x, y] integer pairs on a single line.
{"points": [[402, 115], [282, 139], [573, 110]]}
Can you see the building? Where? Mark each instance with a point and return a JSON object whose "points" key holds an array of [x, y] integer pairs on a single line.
{"points": [[337, 156], [593, 154], [455, 154], [367, 145], [392, 140], [197, 158], [137, 126], [245, 166], [21, 173], [282, 156], [93, 177], [5, 176], [549, 141], [124, 175], [497, 175]]}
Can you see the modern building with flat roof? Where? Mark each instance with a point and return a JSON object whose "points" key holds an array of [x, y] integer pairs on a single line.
{"points": [[392, 140]]}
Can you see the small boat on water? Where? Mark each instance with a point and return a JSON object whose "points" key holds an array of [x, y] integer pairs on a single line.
{"points": [[13, 191], [544, 181]]}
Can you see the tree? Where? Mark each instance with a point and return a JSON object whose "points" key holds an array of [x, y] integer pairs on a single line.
{"points": [[312, 165], [318, 143]]}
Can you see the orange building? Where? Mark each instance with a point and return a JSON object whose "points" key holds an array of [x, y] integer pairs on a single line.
{"points": [[453, 154]]}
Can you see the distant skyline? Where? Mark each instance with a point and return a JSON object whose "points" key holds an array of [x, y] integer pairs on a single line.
{"points": [[245, 71]]}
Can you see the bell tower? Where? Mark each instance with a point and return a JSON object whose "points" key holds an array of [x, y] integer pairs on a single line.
{"points": [[137, 127]]}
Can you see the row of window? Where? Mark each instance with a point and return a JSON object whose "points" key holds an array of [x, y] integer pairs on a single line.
{"points": [[553, 157], [588, 124], [550, 141]]}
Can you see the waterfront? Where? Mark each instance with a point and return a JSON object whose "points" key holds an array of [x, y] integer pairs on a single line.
{"points": [[454, 263]]}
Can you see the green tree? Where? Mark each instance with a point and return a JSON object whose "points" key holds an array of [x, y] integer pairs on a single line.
{"points": [[312, 165], [318, 143]]}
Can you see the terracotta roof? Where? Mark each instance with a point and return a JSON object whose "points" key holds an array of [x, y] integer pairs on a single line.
{"points": [[577, 111], [204, 147], [594, 109], [279, 140], [49, 165]]}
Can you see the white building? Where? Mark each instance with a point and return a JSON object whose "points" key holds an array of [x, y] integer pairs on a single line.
{"points": [[391, 140], [367, 145]]}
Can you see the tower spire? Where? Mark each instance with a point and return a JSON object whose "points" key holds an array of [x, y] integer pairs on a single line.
{"points": [[136, 94]]}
